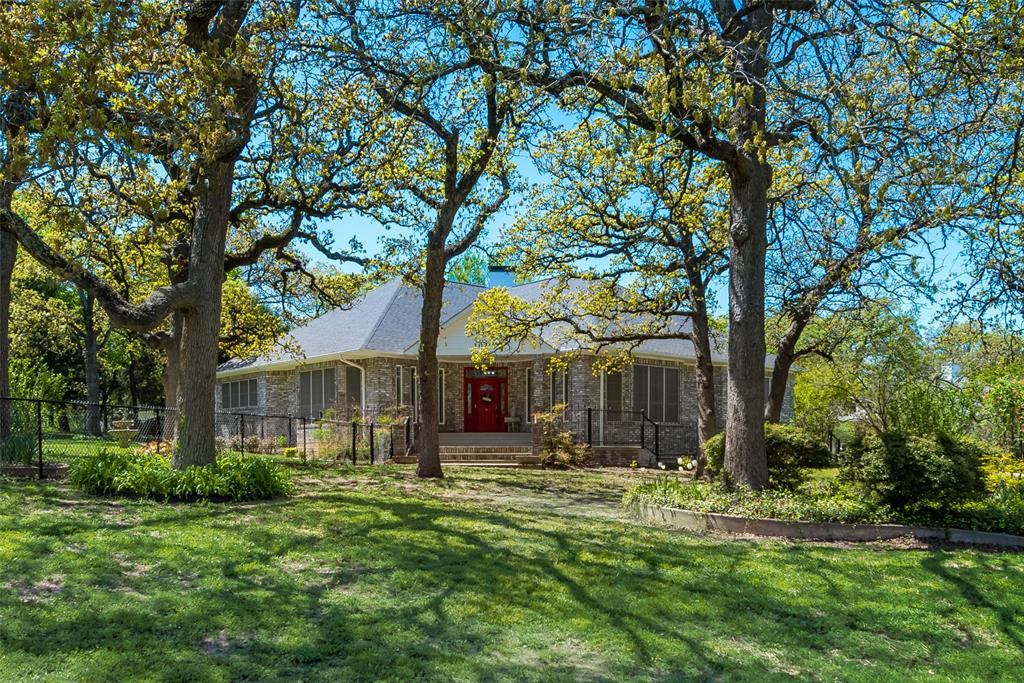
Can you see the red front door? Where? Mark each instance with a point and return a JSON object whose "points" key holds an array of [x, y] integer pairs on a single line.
{"points": [[486, 401]]}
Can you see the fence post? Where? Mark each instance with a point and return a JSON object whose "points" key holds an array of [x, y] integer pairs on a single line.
{"points": [[39, 434], [590, 427], [371, 443], [241, 433], [355, 433]]}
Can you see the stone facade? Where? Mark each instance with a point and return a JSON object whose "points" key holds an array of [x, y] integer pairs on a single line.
{"points": [[278, 394]]}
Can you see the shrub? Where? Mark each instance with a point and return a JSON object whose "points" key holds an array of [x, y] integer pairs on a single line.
{"points": [[903, 469], [249, 478], [1000, 470], [558, 447], [19, 449], [99, 474], [149, 474], [789, 449]]}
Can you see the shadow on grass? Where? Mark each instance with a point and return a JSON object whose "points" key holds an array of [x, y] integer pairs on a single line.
{"points": [[371, 585]]}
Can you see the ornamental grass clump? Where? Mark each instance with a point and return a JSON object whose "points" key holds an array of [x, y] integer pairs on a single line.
{"points": [[150, 475]]}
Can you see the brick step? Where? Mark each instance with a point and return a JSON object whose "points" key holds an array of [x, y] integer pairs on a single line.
{"points": [[457, 450], [470, 459], [459, 457]]}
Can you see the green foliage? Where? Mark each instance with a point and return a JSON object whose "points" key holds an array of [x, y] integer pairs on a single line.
{"points": [[1003, 404], [19, 449], [789, 450], [883, 373], [235, 477], [901, 469], [1001, 470], [558, 447], [470, 268]]}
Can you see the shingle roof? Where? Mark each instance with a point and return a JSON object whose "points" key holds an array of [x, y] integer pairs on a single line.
{"points": [[387, 320]]}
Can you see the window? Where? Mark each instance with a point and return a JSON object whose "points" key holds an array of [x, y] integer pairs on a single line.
{"points": [[613, 393], [316, 392], [440, 396], [559, 387], [241, 394], [353, 391], [656, 392], [529, 395], [413, 395]]}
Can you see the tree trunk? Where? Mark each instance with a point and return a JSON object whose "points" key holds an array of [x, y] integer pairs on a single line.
{"points": [[8, 254], [200, 323], [426, 363], [784, 356], [749, 180], [745, 459], [704, 369], [707, 410], [172, 370], [90, 359]]}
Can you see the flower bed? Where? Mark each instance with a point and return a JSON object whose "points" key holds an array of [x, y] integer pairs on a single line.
{"points": [[1001, 513]]}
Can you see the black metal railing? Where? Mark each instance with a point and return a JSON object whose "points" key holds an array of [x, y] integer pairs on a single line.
{"points": [[633, 428], [41, 432]]}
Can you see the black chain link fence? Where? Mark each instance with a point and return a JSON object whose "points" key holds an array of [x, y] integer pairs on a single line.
{"points": [[43, 437]]}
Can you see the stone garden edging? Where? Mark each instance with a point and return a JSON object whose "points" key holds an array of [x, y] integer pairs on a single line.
{"points": [[821, 531]]}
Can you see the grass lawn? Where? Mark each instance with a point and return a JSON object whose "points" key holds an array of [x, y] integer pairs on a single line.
{"points": [[369, 574]]}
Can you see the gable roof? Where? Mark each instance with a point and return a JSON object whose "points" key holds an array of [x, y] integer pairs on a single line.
{"points": [[387, 321]]}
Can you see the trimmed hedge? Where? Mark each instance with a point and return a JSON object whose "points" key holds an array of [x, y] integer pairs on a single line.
{"points": [[233, 477], [789, 450], [903, 470]]}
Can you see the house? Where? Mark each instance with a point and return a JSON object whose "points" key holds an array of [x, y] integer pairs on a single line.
{"points": [[362, 360]]}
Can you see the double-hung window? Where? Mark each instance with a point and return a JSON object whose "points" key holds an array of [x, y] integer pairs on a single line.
{"points": [[656, 392]]}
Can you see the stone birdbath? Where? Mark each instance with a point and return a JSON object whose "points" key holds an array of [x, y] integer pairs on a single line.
{"points": [[123, 431]]}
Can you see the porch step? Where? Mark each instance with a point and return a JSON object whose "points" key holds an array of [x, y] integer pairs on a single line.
{"points": [[503, 450], [480, 459]]}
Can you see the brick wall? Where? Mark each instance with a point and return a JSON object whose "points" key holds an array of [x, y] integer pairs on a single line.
{"points": [[278, 394]]}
